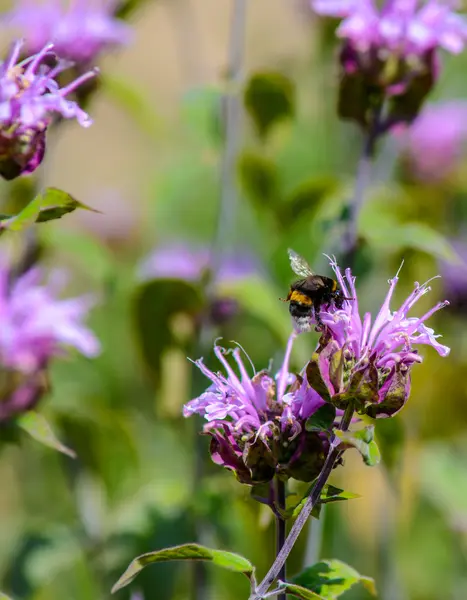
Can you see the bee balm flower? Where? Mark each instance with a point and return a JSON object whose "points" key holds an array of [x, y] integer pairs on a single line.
{"points": [[369, 361], [29, 99], [392, 51], [79, 32], [257, 423], [36, 327]]}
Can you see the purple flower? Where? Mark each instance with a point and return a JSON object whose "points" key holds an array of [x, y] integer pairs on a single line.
{"points": [[257, 422], [368, 361], [189, 262], [29, 99], [390, 53], [435, 141], [36, 327], [403, 27], [79, 33]]}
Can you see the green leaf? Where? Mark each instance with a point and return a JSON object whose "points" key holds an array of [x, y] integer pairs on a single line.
{"points": [[331, 578], [51, 204], [299, 592], [384, 231], [331, 493], [259, 179], [155, 306], [220, 558], [4, 596], [363, 441], [322, 419], [305, 200], [269, 98], [38, 428]]}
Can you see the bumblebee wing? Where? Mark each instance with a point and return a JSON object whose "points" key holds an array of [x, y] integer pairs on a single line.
{"points": [[299, 264], [310, 284]]}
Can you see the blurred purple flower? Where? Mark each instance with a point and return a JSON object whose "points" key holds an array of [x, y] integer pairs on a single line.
{"points": [[370, 362], [391, 53], [405, 27], [79, 32], [29, 99], [189, 262], [36, 327], [435, 141], [455, 275], [257, 424]]}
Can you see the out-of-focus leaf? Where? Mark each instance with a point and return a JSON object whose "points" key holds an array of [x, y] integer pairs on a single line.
{"points": [[4, 596], [299, 592], [363, 441], [156, 304], [258, 297], [125, 8], [383, 230], [269, 98], [37, 426], [220, 558], [331, 578], [305, 200], [134, 101], [259, 179], [322, 419], [51, 204]]}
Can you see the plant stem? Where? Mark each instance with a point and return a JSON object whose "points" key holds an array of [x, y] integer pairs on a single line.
{"points": [[331, 459], [361, 185], [280, 528], [232, 110]]}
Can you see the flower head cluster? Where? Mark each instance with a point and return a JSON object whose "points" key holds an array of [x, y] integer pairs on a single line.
{"points": [[79, 33], [435, 141], [404, 27], [36, 326], [392, 52], [369, 361], [257, 423], [29, 99]]}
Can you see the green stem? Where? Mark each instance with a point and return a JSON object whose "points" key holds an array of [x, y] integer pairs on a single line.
{"points": [[330, 462]]}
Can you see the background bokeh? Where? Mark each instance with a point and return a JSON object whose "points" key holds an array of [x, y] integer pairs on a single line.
{"points": [[151, 162]]}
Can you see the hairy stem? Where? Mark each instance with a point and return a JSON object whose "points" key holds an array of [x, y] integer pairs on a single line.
{"points": [[331, 459], [280, 528]]}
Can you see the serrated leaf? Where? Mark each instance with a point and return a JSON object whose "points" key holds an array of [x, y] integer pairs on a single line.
{"points": [[269, 98], [322, 419], [37, 426], [220, 558], [299, 592], [362, 441], [51, 204], [331, 578]]}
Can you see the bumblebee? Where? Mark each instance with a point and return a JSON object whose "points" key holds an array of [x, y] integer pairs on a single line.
{"points": [[308, 295]]}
